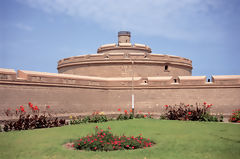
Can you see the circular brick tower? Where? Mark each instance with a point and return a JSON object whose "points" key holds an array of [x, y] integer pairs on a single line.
{"points": [[123, 59]]}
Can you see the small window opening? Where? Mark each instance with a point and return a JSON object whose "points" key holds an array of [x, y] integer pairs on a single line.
{"points": [[145, 81], [166, 67], [175, 80], [208, 80]]}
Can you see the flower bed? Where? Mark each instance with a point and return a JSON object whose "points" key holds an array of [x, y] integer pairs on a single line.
{"points": [[235, 117], [31, 118], [94, 118], [104, 140], [189, 112], [130, 115], [97, 117]]}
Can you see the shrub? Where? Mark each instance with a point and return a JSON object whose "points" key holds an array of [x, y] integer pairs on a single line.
{"points": [[95, 118], [120, 117], [235, 117], [189, 112], [139, 116], [98, 118], [104, 140], [28, 121], [32, 119], [127, 116]]}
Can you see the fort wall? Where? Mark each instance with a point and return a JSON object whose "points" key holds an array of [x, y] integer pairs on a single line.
{"points": [[125, 64], [84, 94]]}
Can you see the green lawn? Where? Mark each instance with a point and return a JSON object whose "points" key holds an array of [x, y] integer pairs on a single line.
{"points": [[175, 140]]}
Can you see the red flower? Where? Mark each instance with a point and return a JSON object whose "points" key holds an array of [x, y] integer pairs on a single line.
{"points": [[119, 109], [16, 109], [125, 111], [133, 147], [166, 106], [127, 146], [130, 110], [48, 106], [109, 128], [36, 108], [145, 116], [189, 113], [204, 103], [96, 127]]}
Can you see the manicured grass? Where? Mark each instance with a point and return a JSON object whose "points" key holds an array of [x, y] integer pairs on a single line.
{"points": [[175, 140]]}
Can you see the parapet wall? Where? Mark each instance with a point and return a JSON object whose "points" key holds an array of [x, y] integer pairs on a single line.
{"points": [[107, 83], [124, 57], [126, 47], [81, 94]]}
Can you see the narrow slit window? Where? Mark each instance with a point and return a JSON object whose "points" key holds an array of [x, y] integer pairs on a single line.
{"points": [[175, 80]]}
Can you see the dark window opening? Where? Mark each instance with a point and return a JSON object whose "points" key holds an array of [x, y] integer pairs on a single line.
{"points": [[175, 80], [145, 81], [208, 80], [166, 67]]}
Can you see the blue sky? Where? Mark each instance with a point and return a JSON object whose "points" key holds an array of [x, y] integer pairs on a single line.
{"points": [[35, 34]]}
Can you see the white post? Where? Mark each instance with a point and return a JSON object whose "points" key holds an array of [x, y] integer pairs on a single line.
{"points": [[132, 87], [132, 101]]}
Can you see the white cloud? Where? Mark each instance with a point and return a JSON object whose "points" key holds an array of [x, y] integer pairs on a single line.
{"points": [[177, 19], [24, 27]]}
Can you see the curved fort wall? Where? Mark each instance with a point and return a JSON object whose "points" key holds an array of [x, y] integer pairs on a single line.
{"points": [[126, 65], [83, 94]]}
